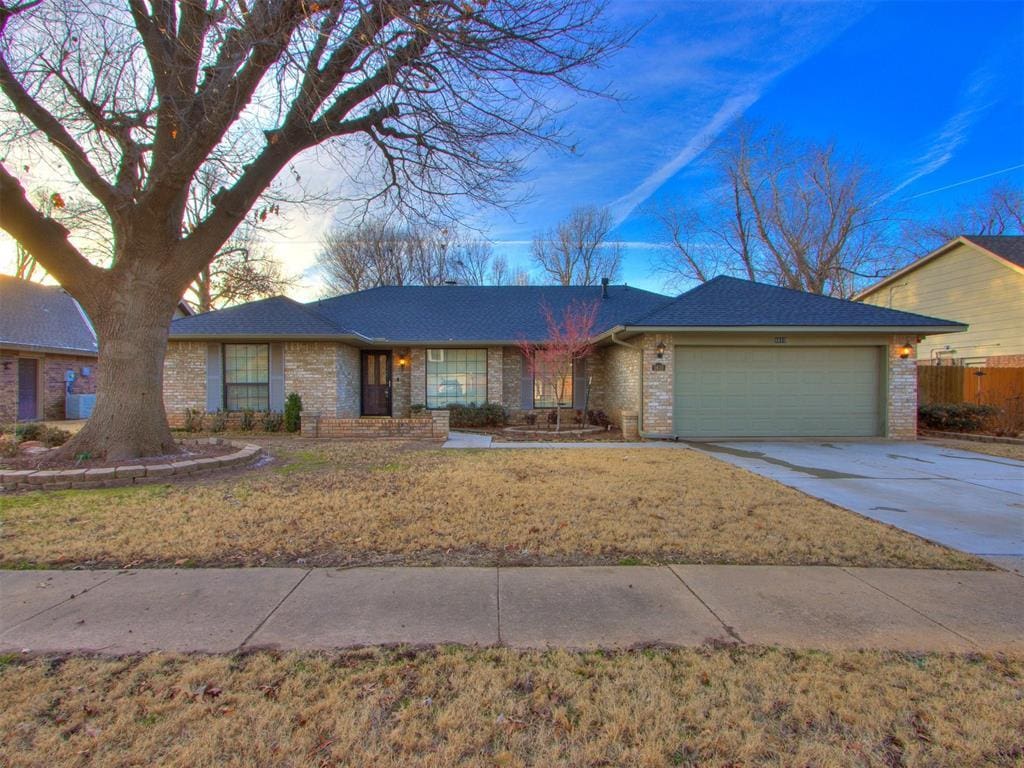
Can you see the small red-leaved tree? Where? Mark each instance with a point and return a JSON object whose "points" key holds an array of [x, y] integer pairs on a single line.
{"points": [[569, 339]]}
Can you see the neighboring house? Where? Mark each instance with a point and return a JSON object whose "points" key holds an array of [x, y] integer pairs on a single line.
{"points": [[977, 279], [47, 350], [728, 358]]}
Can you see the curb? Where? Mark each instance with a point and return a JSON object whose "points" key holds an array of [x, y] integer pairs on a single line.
{"points": [[128, 474]]}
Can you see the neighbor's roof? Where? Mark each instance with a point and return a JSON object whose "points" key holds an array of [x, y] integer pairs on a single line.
{"points": [[44, 318], [506, 314], [420, 314], [1005, 248], [728, 302]]}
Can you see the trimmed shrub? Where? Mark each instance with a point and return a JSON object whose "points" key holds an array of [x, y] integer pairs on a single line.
{"points": [[955, 417], [553, 416], [293, 412], [530, 418], [417, 411], [598, 419], [247, 420], [272, 421], [30, 431], [473, 415], [218, 421], [8, 447], [194, 419], [54, 436]]}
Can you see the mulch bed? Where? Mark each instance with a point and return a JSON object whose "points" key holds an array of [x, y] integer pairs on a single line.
{"points": [[47, 458]]}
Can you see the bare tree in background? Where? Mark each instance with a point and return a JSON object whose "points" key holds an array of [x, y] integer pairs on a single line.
{"points": [[798, 216], [244, 270], [576, 252], [419, 101], [1000, 211], [474, 262]]}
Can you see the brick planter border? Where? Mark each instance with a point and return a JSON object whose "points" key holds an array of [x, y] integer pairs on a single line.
{"points": [[129, 474]]}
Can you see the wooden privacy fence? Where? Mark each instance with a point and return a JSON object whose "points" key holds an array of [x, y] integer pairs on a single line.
{"points": [[1001, 387]]}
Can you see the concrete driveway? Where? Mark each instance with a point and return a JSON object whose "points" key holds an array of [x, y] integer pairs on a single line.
{"points": [[966, 500]]}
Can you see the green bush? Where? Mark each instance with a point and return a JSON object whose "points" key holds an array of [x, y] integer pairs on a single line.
{"points": [[272, 421], [598, 419], [418, 410], [955, 417], [8, 447], [293, 412], [30, 431], [473, 415]]}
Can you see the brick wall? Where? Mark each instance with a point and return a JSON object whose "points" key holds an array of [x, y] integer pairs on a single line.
{"points": [[496, 375], [1005, 361], [511, 377], [418, 376], [431, 427], [401, 383], [348, 387], [616, 387], [901, 406], [311, 369], [52, 388], [184, 379]]}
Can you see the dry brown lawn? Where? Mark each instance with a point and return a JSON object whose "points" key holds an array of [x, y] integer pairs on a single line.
{"points": [[1004, 450], [336, 503], [458, 707]]}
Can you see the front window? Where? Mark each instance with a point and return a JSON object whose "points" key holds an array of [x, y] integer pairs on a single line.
{"points": [[552, 384], [247, 377], [456, 376]]}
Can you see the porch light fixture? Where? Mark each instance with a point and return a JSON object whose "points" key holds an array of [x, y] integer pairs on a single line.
{"points": [[660, 349], [905, 351], [402, 361]]}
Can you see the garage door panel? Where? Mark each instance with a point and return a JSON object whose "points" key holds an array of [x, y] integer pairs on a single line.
{"points": [[776, 392]]}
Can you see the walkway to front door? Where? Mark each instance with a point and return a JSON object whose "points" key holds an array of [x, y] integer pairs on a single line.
{"points": [[376, 380]]}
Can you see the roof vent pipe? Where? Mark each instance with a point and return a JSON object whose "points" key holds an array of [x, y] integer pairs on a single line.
{"points": [[604, 287]]}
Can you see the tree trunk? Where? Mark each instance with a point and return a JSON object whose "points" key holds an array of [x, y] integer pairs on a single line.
{"points": [[129, 419]]}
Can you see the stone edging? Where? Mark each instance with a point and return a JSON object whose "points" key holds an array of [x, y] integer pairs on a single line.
{"points": [[128, 474], [972, 437]]}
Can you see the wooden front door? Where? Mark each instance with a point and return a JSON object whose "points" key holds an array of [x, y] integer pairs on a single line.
{"points": [[28, 389], [376, 383]]}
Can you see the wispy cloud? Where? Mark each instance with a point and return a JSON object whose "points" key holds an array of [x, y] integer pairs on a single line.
{"points": [[733, 108], [974, 100]]}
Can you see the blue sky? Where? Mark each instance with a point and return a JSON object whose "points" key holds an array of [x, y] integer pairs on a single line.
{"points": [[929, 95]]}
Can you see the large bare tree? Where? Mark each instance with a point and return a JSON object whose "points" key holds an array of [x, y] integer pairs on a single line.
{"points": [[796, 215], [414, 99], [998, 211], [577, 251]]}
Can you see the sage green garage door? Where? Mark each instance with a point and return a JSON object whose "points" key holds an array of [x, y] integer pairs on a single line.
{"points": [[777, 391]]}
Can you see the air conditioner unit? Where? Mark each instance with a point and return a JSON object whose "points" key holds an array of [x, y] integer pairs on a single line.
{"points": [[435, 355]]}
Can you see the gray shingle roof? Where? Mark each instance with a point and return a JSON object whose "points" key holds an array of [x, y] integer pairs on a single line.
{"points": [[276, 316], [1010, 247], [412, 314], [470, 314], [731, 302], [44, 317]]}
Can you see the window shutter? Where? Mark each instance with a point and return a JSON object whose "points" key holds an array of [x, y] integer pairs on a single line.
{"points": [[214, 377], [526, 386], [277, 377], [579, 384]]}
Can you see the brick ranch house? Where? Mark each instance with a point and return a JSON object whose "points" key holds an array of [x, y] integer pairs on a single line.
{"points": [[728, 358], [45, 340]]}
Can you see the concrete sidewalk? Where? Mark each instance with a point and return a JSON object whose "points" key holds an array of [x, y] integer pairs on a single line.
{"points": [[224, 610]]}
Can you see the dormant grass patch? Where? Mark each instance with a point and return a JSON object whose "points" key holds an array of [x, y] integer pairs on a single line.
{"points": [[336, 503], [1003, 450], [460, 707]]}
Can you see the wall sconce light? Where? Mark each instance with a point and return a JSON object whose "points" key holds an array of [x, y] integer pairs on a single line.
{"points": [[905, 351], [402, 361], [660, 350]]}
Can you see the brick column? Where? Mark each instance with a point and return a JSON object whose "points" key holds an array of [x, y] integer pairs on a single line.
{"points": [[309, 424], [417, 376], [495, 359], [440, 425], [901, 390], [656, 417]]}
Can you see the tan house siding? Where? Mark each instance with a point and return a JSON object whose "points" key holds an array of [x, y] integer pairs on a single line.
{"points": [[311, 370], [969, 286], [184, 379]]}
